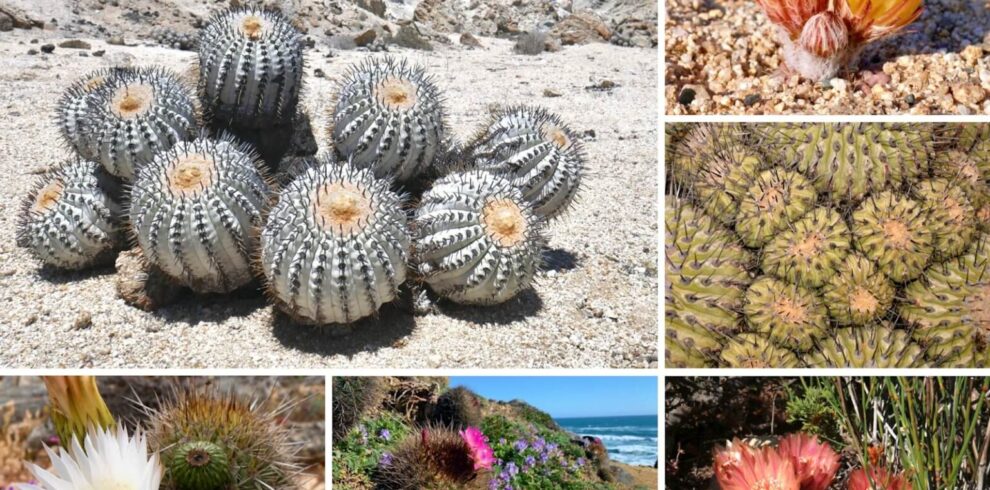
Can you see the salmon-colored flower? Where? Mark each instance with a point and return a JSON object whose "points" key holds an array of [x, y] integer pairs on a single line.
{"points": [[820, 37], [762, 469], [815, 462], [878, 478]]}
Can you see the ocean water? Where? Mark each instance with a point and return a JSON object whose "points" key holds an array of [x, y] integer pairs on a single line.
{"points": [[630, 440]]}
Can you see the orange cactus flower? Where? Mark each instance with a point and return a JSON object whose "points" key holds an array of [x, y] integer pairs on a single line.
{"points": [[763, 469], [76, 406], [878, 478], [815, 462]]}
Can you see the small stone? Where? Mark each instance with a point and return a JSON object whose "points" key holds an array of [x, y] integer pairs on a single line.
{"points": [[99, 53], [972, 54], [964, 110], [32, 52], [365, 38], [318, 73], [116, 41], [687, 96], [751, 100], [409, 37], [839, 85], [550, 93], [48, 48], [531, 43], [968, 93], [469, 40], [74, 44], [910, 99], [30, 320], [83, 321], [6, 22]]}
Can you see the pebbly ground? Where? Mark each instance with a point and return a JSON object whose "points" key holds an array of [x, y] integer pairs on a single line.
{"points": [[595, 306], [724, 52]]}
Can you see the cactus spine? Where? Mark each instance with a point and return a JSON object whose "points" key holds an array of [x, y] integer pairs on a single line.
{"points": [[77, 108]]}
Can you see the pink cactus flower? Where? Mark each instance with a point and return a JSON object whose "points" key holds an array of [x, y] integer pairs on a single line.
{"points": [[763, 469], [815, 462], [481, 452]]}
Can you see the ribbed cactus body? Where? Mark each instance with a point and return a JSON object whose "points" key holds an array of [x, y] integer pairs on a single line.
{"points": [[70, 220], [389, 117], [251, 67], [478, 240], [335, 246], [137, 114], [538, 152], [77, 107], [193, 209]]}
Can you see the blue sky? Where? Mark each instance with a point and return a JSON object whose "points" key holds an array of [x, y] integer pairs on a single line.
{"points": [[571, 396]]}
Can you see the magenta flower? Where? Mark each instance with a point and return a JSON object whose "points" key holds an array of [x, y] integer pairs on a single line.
{"points": [[481, 452]]}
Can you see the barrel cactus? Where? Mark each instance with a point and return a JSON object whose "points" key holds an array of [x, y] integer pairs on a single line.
{"points": [[478, 240], [537, 151], [251, 67], [193, 209], [209, 440], [335, 246], [77, 107], [388, 116], [137, 114], [72, 218]]}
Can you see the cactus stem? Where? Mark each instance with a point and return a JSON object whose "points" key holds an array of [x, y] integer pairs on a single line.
{"points": [[504, 221], [396, 93], [132, 101], [343, 206]]}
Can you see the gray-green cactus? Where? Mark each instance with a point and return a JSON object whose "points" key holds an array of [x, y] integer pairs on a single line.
{"points": [[251, 67], [72, 218], [537, 151], [478, 240], [139, 113], [77, 107], [389, 116], [335, 246], [193, 209]]}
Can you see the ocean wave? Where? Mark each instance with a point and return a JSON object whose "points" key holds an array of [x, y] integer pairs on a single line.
{"points": [[613, 437], [635, 460], [634, 449]]}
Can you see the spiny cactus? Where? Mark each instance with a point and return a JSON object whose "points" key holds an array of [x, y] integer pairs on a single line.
{"points": [[388, 116], [193, 209], [877, 346], [893, 231], [537, 151], [789, 315], [209, 440], [847, 161], [775, 199], [477, 240], [138, 113], [706, 278], [951, 216], [755, 351], [251, 67], [811, 251], [71, 219], [353, 398], [76, 109], [335, 246], [434, 457], [458, 408], [859, 293]]}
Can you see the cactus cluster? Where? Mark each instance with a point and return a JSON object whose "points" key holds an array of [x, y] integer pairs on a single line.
{"points": [[827, 245], [394, 198], [433, 457]]}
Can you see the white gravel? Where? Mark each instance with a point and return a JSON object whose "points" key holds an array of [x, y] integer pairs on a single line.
{"points": [[596, 308]]}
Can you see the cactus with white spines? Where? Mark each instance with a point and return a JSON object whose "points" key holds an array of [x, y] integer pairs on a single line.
{"points": [[478, 240], [539, 153], [251, 67], [193, 211], [138, 113], [335, 245], [76, 108], [72, 219], [389, 116]]}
